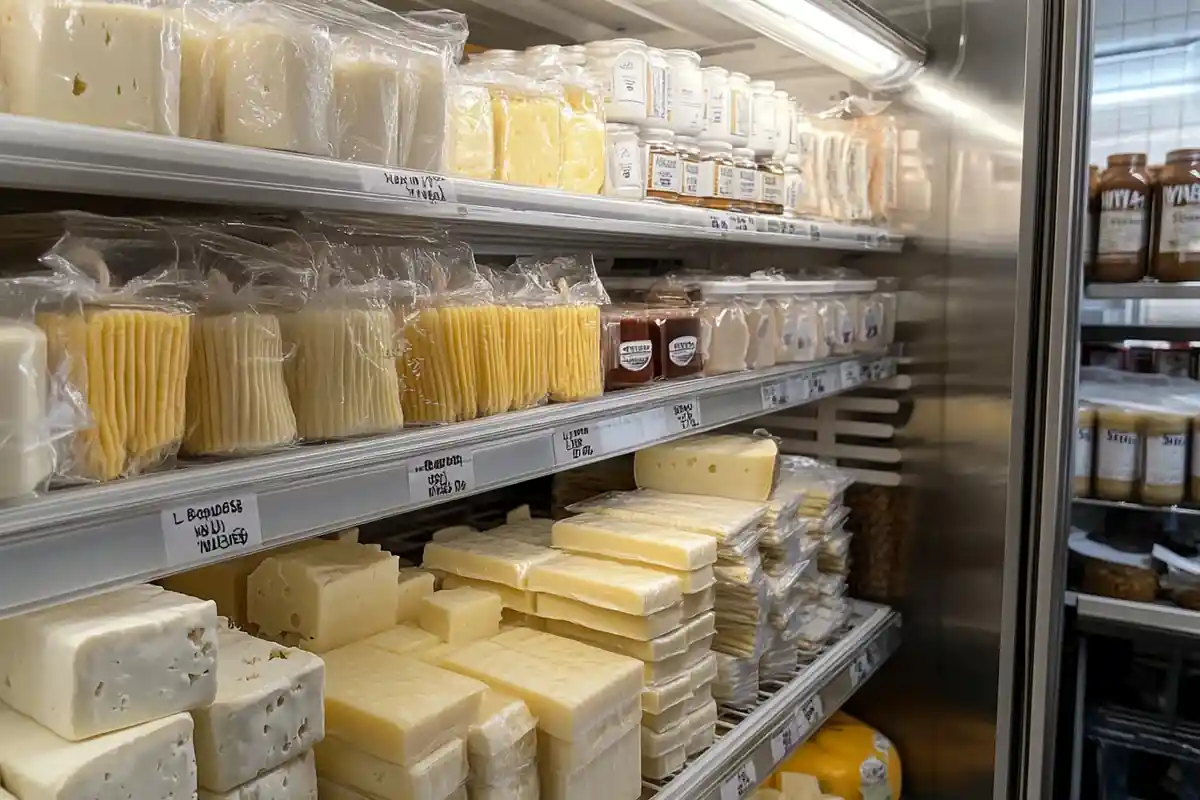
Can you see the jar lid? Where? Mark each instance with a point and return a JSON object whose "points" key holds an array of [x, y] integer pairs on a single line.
{"points": [[741, 76], [713, 146], [1184, 155], [619, 127], [658, 135], [716, 71], [743, 152], [614, 43], [656, 51], [685, 141], [763, 85], [781, 94], [690, 55], [1127, 160]]}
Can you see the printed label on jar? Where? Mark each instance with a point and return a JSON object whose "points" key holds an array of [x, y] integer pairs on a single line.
{"points": [[1117, 455], [629, 79], [793, 188], [682, 350], [747, 184], [1084, 443], [872, 320], [714, 109], [664, 173], [657, 110], [717, 180], [624, 161], [691, 179], [1179, 222], [1166, 459], [772, 188], [845, 328], [634, 356], [1120, 232]]}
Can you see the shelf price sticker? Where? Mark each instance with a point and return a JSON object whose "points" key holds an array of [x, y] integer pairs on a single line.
{"points": [[741, 222], [576, 443], [783, 742], [822, 382], [740, 783], [814, 232], [860, 669], [809, 715], [683, 416], [799, 389], [775, 395], [211, 529], [851, 374], [424, 187], [440, 476], [719, 221]]}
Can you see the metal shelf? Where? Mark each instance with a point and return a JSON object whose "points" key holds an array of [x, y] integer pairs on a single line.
{"points": [[1150, 332], [1092, 501], [752, 744], [74, 542], [1151, 616], [60, 157], [1143, 290]]}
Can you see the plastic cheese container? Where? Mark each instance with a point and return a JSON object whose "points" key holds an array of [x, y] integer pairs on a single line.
{"points": [[368, 84], [470, 134], [852, 298], [582, 134], [527, 115]]}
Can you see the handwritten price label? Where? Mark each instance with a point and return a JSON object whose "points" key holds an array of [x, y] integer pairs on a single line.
{"points": [[683, 416], [785, 740], [214, 528], [821, 381], [809, 715], [718, 221], [774, 395], [441, 476], [860, 669], [740, 783], [575, 444], [851, 374], [741, 222], [410, 185]]}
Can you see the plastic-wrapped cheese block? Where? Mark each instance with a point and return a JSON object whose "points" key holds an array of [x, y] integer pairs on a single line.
{"points": [[699, 699], [533, 531], [632, 626], [367, 88], [727, 343], [700, 627], [527, 344], [660, 767], [414, 586], [527, 115], [501, 723], [58, 63], [95, 665], [719, 465], [470, 135], [268, 709], [131, 366], [294, 780], [629, 540], [514, 599], [613, 775], [557, 755], [274, 79], [521, 785], [324, 596], [669, 718], [26, 455], [672, 643], [149, 761], [329, 790], [582, 135], [658, 698], [727, 520], [432, 778], [568, 696], [575, 369], [487, 558], [200, 32], [764, 336], [696, 603], [606, 584], [461, 615], [656, 744], [702, 740], [454, 368], [393, 707]]}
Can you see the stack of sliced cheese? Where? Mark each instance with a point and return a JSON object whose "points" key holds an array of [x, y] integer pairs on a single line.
{"points": [[96, 696]]}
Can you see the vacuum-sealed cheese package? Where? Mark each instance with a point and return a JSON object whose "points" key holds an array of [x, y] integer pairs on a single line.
{"points": [[527, 114], [237, 396], [367, 90], [200, 25], [93, 62], [582, 135], [470, 130], [435, 46], [524, 305], [575, 361]]}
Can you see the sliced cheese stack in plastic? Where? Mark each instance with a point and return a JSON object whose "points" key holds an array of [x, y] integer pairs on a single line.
{"points": [[527, 345], [131, 366], [527, 116], [470, 135], [368, 84], [481, 557], [585, 701], [582, 134], [502, 748]]}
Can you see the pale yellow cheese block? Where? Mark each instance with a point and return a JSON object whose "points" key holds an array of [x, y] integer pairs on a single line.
{"points": [[606, 584], [718, 465], [669, 718], [414, 586], [453, 366], [700, 627], [660, 767], [501, 722], [457, 616], [672, 643], [696, 603], [432, 778], [614, 775], [488, 558], [470, 131], [515, 599], [633, 541], [528, 136], [527, 343], [582, 142], [558, 755], [630, 626], [659, 697], [656, 744], [393, 707], [717, 516], [328, 790], [403, 640]]}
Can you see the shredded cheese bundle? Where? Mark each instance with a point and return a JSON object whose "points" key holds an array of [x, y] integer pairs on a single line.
{"points": [[455, 366], [575, 372]]}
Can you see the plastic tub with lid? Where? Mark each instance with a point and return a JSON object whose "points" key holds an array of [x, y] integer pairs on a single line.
{"points": [[797, 306], [850, 299], [738, 298], [623, 67]]}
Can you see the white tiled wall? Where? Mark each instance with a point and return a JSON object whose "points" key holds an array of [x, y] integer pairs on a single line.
{"points": [[1163, 65]]}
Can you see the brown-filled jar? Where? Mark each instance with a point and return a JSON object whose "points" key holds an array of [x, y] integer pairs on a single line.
{"points": [[677, 343], [1177, 245], [1118, 453], [718, 175], [664, 171], [689, 164], [1123, 228], [771, 174], [627, 349], [1165, 468], [1085, 449]]}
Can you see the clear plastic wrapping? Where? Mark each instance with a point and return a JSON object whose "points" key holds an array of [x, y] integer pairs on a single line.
{"points": [[28, 430], [435, 42], [834, 557], [369, 83], [527, 115], [470, 130], [525, 319], [821, 484], [737, 681], [727, 520], [778, 662], [582, 135]]}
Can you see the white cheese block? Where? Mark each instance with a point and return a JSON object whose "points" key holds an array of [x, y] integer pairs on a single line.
{"points": [[702, 740], [559, 755], [673, 643], [146, 762], [514, 599], [111, 64], [487, 558], [107, 662], [269, 708], [628, 540], [26, 454], [656, 744], [403, 640], [432, 778], [325, 596], [521, 785], [720, 465], [295, 780], [699, 698], [366, 87], [614, 775], [500, 723], [5, 795], [662, 766], [659, 697], [700, 628], [696, 603], [630, 626], [461, 615], [276, 83], [606, 584], [669, 718]]}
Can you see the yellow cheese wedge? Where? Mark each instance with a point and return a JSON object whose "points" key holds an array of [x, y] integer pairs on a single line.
{"points": [[718, 465]]}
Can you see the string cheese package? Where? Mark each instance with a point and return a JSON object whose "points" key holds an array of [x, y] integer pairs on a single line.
{"points": [[525, 316]]}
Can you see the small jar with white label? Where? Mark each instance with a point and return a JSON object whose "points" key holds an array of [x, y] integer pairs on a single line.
{"points": [[764, 130], [623, 170], [685, 109], [658, 71], [1118, 452], [718, 175], [1085, 450], [622, 67], [1165, 466], [689, 165], [664, 170], [748, 188], [771, 175], [741, 109], [716, 104]]}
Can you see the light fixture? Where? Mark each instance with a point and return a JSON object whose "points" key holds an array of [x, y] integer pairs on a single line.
{"points": [[1143, 94], [842, 35]]}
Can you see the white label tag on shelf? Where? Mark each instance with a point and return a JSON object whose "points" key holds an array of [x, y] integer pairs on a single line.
{"points": [[576, 444], [740, 783], [783, 742], [775, 395], [719, 221], [809, 714], [799, 389], [631, 430], [814, 232], [821, 381], [851, 374], [860, 669], [683, 416], [406, 184], [213, 528], [440, 476], [741, 222]]}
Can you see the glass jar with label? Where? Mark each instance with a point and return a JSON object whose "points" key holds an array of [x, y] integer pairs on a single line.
{"points": [[664, 171], [689, 165], [626, 347], [747, 192], [685, 109], [1177, 251], [784, 112], [623, 170], [658, 72], [764, 128], [741, 109], [718, 175], [793, 184], [1085, 444], [1165, 468], [1124, 224], [622, 67], [771, 175], [716, 104], [1118, 452]]}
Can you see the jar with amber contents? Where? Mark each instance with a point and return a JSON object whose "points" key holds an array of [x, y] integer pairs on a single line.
{"points": [[664, 172], [626, 347], [1085, 446], [718, 175], [1118, 453], [747, 192], [677, 342], [1177, 251], [1165, 466], [689, 165], [771, 177], [1123, 227]]}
